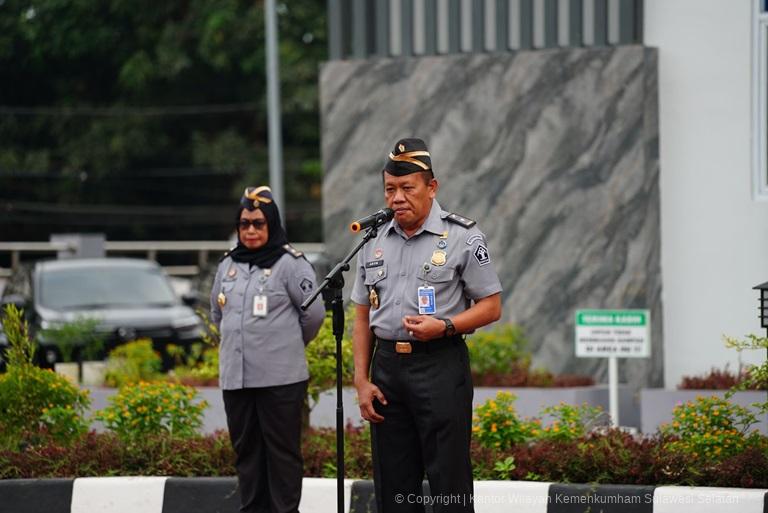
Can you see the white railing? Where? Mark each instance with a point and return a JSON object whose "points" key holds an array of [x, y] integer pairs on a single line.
{"points": [[148, 249]]}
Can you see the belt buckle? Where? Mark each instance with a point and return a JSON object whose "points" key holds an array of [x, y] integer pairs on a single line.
{"points": [[403, 347]]}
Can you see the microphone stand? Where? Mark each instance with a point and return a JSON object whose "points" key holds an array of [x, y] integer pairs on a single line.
{"points": [[334, 281]]}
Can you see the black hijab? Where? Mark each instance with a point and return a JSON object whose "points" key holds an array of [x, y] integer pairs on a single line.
{"points": [[265, 256]]}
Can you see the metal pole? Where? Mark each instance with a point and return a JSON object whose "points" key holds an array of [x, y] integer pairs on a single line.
{"points": [[273, 108], [613, 390]]}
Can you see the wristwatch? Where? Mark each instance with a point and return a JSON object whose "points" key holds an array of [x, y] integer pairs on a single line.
{"points": [[450, 329]]}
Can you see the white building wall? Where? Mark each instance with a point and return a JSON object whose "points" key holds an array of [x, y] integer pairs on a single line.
{"points": [[714, 234]]}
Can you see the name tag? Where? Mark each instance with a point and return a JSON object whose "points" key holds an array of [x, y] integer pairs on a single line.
{"points": [[427, 301], [259, 306]]}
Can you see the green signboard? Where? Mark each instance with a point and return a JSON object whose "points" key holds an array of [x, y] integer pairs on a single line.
{"points": [[620, 333]]}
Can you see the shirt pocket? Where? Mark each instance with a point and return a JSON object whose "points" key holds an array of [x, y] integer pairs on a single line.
{"points": [[441, 275], [227, 285], [375, 275]]}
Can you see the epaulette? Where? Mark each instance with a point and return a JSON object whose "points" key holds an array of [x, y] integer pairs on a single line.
{"points": [[461, 220], [293, 251]]}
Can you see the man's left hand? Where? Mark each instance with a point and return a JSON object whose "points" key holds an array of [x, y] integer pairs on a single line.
{"points": [[424, 327]]}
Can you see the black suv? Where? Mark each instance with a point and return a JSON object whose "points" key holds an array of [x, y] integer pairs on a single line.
{"points": [[130, 298]]}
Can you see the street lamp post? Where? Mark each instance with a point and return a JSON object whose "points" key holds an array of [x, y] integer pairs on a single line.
{"points": [[273, 108], [763, 308]]}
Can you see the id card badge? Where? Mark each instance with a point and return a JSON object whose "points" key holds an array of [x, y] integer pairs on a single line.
{"points": [[427, 300], [259, 306]]}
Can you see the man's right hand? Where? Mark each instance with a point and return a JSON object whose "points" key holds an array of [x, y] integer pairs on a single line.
{"points": [[366, 392]]}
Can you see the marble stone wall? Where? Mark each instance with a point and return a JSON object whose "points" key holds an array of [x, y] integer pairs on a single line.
{"points": [[554, 152]]}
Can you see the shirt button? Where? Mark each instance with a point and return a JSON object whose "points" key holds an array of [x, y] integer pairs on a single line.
{"points": [[402, 273], [397, 302]]}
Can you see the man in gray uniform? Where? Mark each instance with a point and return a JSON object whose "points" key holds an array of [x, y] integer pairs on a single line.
{"points": [[426, 280]]}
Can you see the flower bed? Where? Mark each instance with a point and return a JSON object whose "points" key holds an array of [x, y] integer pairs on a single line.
{"points": [[609, 457], [154, 431]]}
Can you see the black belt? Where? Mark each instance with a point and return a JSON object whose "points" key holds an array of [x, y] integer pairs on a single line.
{"points": [[417, 346]]}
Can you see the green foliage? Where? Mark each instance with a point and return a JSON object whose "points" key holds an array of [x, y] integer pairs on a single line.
{"points": [[499, 350], [109, 78], [321, 358], [716, 379], [606, 456], [757, 375], [211, 335], [35, 401], [144, 409], [131, 363], [504, 468], [198, 367], [79, 334], [497, 426], [104, 454], [21, 348], [711, 428], [571, 422]]}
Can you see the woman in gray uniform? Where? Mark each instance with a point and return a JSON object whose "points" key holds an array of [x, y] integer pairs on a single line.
{"points": [[255, 300]]}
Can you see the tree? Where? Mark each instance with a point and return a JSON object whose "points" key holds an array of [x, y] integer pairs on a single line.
{"points": [[145, 120]]}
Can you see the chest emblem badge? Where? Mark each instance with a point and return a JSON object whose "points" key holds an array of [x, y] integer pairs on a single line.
{"points": [[438, 257]]}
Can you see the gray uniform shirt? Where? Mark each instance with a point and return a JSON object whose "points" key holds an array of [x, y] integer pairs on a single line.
{"points": [[264, 351], [396, 266]]}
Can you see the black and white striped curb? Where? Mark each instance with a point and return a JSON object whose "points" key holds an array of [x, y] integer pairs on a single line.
{"points": [[220, 495]]}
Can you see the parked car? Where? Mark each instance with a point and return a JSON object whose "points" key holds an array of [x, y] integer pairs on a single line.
{"points": [[130, 299]]}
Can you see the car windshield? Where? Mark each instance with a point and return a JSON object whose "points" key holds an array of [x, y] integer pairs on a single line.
{"points": [[104, 287]]}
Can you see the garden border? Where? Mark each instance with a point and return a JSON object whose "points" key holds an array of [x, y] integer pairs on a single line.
{"points": [[219, 494]]}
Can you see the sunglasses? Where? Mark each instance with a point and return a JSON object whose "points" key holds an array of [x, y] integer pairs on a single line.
{"points": [[258, 224]]}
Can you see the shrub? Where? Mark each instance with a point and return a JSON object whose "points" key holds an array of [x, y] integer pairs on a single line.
{"points": [[131, 363], [499, 357], [104, 454], [319, 451], [321, 358], [21, 348], [715, 379], [502, 350], [211, 336], [145, 409], [36, 401], [711, 428], [758, 374], [78, 335], [571, 422], [608, 456], [200, 367], [33, 401], [496, 425]]}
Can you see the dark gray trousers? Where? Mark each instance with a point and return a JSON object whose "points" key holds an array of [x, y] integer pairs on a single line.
{"points": [[265, 430], [427, 427]]}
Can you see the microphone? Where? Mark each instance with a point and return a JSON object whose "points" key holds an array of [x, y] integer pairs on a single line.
{"points": [[376, 219]]}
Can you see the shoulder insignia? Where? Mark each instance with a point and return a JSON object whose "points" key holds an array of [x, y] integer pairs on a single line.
{"points": [[461, 220], [226, 253], [293, 251]]}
